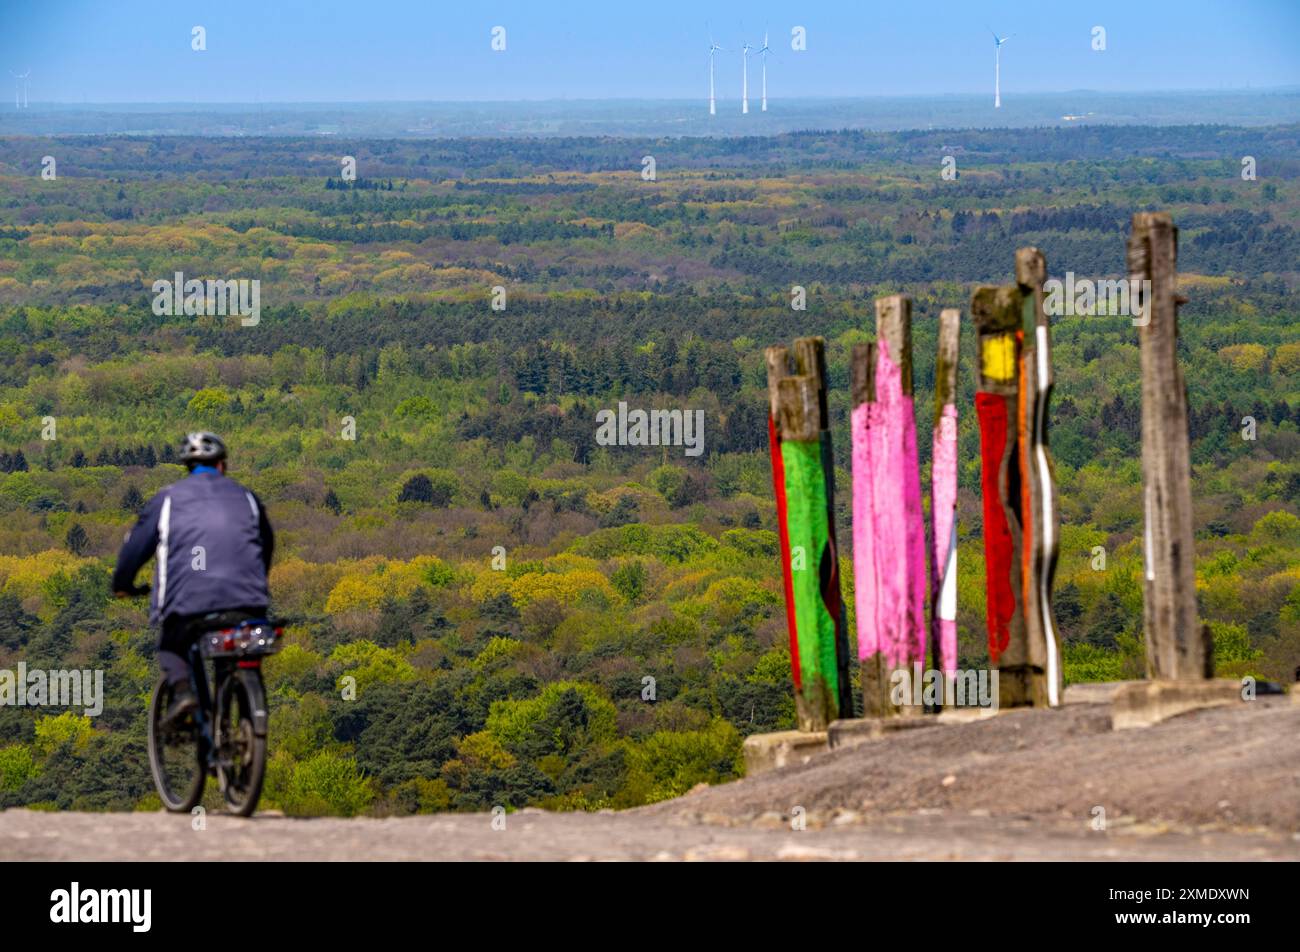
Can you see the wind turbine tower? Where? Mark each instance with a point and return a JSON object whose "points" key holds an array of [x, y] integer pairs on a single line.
{"points": [[997, 69], [764, 51], [744, 79], [713, 48], [20, 80]]}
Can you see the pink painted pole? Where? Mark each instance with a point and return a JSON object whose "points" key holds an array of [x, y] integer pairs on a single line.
{"points": [[888, 527], [865, 425]]}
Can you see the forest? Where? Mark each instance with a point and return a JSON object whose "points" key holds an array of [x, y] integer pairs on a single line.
{"points": [[486, 606]]}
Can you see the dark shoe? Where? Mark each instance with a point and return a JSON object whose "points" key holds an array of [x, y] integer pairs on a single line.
{"points": [[183, 703]]}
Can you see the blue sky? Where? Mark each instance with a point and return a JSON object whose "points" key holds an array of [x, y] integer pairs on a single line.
{"points": [[331, 51]]}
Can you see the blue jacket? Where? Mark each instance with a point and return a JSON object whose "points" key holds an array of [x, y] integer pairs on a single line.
{"points": [[213, 545]]}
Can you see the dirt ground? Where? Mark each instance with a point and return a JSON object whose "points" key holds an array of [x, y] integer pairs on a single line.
{"points": [[1215, 784]]}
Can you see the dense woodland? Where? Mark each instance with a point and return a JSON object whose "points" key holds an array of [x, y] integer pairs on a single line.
{"points": [[524, 683]]}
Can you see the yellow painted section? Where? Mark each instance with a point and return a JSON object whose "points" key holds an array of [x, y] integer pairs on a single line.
{"points": [[999, 357]]}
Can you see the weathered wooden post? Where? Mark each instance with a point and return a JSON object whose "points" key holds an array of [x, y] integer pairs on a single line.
{"points": [[1042, 519], [1020, 527], [943, 499], [803, 481], [866, 431], [1180, 650], [778, 367], [997, 315], [1178, 647], [810, 360], [888, 526]]}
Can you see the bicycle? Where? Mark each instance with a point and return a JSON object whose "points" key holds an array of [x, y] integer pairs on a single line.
{"points": [[225, 737]]}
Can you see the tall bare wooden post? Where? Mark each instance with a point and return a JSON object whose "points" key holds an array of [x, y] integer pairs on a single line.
{"points": [[888, 530], [803, 482], [1177, 646]]}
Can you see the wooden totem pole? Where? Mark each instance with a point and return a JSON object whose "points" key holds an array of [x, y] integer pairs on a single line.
{"points": [[803, 479], [1178, 647], [943, 499], [1039, 477], [1020, 514], [888, 527]]}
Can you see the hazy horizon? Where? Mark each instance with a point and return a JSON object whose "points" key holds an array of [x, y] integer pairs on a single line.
{"points": [[846, 97], [632, 117]]}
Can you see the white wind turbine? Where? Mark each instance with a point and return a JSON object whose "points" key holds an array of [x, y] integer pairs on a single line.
{"points": [[997, 68], [763, 52], [20, 78], [744, 80], [713, 48]]}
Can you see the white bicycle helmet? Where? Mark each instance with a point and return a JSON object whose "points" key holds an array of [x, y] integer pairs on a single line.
{"points": [[202, 447]]}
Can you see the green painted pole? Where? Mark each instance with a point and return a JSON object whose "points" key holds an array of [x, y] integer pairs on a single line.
{"points": [[803, 480]]}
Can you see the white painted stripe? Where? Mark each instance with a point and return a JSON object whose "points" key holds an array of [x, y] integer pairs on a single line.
{"points": [[1049, 538], [1045, 479], [948, 593], [160, 553]]}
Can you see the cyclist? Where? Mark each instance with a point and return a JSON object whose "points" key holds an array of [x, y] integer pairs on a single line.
{"points": [[213, 545]]}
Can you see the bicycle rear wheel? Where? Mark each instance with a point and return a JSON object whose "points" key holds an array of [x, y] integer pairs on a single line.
{"points": [[174, 756], [241, 748]]}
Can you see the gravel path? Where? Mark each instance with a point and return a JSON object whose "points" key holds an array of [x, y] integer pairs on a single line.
{"points": [[1216, 784]]}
